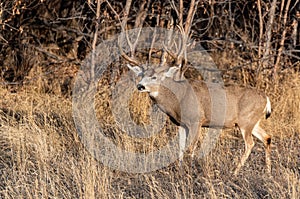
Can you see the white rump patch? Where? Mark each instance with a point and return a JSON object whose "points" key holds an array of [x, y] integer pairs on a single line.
{"points": [[268, 108]]}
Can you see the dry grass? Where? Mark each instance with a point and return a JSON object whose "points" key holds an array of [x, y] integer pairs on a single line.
{"points": [[41, 155]]}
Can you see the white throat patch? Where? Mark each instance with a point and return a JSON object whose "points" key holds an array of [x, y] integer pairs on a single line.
{"points": [[154, 94]]}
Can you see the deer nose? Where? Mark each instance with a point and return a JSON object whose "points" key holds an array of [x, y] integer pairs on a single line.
{"points": [[140, 87]]}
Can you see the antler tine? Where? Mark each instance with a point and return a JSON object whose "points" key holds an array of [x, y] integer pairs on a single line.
{"points": [[123, 26], [173, 55], [182, 49], [167, 40], [132, 60]]}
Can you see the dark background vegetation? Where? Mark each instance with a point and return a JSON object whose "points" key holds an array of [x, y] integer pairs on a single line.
{"points": [[54, 36], [42, 45]]}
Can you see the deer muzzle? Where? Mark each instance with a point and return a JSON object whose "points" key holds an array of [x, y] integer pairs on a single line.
{"points": [[141, 87]]}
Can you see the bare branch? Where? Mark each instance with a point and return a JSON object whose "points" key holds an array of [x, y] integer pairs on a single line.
{"points": [[181, 13], [190, 17], [114, 11], [295, 32], [99, 2], [269, 30], [142, 14], [282, 38], [261, 29]]}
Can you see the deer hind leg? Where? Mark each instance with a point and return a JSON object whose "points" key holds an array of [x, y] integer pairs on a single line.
{"points": [[249, 144], [266, 139]]}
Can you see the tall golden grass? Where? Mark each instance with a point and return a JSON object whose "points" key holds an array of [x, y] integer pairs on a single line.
{"points": [[41, 155]]}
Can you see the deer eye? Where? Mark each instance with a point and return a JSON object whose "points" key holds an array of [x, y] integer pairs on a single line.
{"points": [[154, 77]]}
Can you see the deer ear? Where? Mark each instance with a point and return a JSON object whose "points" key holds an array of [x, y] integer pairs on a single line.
{"points": [[172, 71], [137, 70], [175, 73]]}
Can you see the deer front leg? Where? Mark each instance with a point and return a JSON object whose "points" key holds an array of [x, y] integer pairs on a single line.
{"points": [[184, 132], [194, 132], [182, 142]]}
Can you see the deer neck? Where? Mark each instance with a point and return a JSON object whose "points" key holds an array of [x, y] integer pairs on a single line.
{"points": [[168, 99]]}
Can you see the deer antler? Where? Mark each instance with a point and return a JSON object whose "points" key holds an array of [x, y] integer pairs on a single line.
{"points": [[132, 60], [185, 32]]}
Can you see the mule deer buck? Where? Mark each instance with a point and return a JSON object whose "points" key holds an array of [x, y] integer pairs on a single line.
{"points": [[245, 107]]}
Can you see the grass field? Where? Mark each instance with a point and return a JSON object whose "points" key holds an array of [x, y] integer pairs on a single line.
{"points": [[41, 155]]}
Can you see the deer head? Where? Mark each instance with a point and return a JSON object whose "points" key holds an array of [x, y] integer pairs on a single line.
{"points": [[153, 79]]}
